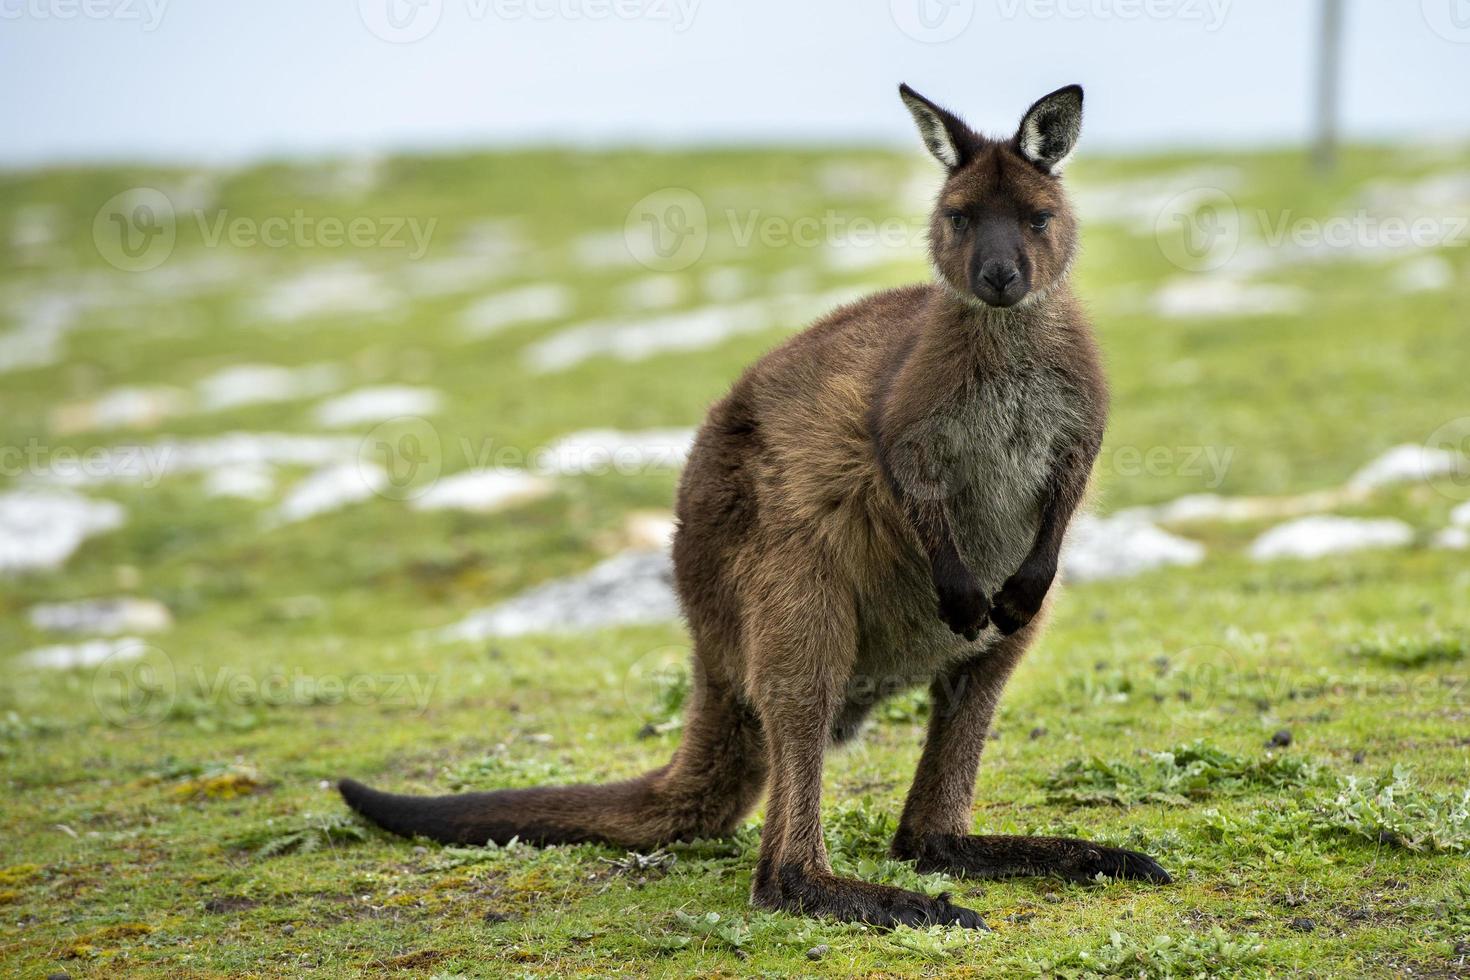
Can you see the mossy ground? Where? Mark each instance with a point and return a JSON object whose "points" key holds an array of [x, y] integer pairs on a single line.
{"points": [[208, 843]]}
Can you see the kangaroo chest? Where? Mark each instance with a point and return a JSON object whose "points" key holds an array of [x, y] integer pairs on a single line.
{"points": [[1009, 429]]}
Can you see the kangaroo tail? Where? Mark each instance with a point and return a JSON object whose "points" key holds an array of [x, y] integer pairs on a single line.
{"points": [[542, 815], [714, 779]]}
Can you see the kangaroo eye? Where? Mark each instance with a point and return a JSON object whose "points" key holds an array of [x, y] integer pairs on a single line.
{"points": [[959, 221], [1040, 220]]}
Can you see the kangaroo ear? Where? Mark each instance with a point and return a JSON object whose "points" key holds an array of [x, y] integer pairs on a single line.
{"points": [[1050, 128], [944, 133]]}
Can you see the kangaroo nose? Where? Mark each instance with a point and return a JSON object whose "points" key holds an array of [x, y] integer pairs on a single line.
{"points": [[999, 275]]}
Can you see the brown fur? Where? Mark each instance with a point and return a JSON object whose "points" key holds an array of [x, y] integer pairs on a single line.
{"points": [[878, 503]]}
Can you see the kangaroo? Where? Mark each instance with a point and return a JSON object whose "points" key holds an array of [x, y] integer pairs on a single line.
{"points": [[878, 503]]}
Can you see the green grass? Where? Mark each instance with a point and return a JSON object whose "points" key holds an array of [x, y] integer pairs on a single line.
{"points": [[208, 843]]}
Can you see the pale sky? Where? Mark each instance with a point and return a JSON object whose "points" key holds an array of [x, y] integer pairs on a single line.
{"points": [[215, 81]]}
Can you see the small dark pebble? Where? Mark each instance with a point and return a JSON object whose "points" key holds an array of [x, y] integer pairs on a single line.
{"points": [[1462, 949], [817, 952], [1280, 740], [1303, 925], [288, 930], [493, 917], [1037, 732], [648, 730], [1359, 756]]}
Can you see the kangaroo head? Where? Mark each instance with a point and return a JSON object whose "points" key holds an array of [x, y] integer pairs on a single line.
{"points": [[1002, 230]]}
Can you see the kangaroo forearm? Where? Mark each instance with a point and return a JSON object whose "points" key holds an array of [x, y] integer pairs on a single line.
{"points": [[1021, 596]]}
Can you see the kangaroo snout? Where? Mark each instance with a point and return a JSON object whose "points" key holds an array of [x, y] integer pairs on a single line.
{"points": [[999, 283]]}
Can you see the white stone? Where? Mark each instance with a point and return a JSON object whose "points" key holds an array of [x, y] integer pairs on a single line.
{"points": [[1216, 507], [339, 289], [452, 274], [1426, 274], [1407, 463], [483, 490], [143, 407], [635, 587], [105, 617], [45, 320], [377, 404], [525, 304], [1452, 539], [89, 653], [651, 293], [242, 481], [1322, 535], [637, 338], [1137, 203], [725, 284], [861, 253], [602, 250], [40, 529], [1122, 546], [1219, 296], [613, 451], [149, 463], [251, 384], [650, 529], [331, 488]]}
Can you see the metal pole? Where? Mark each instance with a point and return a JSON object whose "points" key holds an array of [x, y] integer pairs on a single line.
{"points": [[1329, 57]]}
